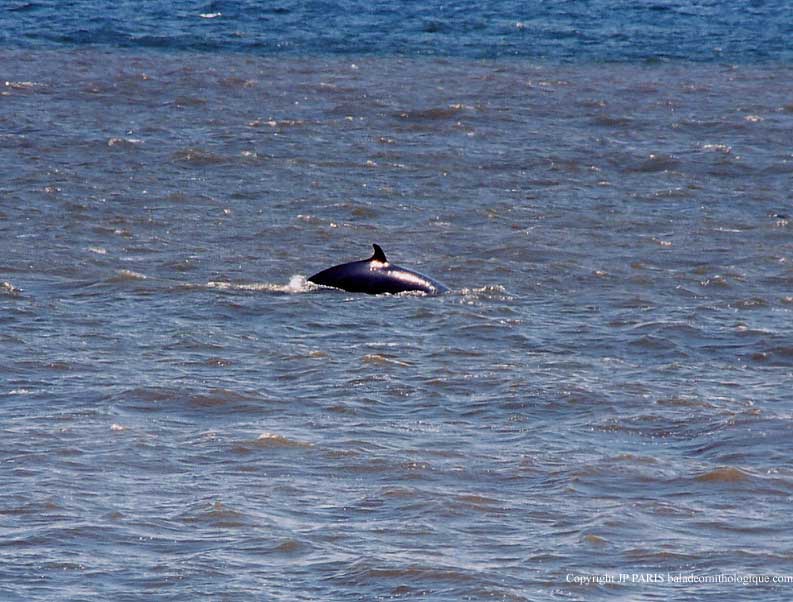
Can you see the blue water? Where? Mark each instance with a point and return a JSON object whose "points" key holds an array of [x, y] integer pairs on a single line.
{"points": [[599, 409], [570, 31]]}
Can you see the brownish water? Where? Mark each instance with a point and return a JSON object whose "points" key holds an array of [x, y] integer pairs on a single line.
{"points": [[605, 391]]}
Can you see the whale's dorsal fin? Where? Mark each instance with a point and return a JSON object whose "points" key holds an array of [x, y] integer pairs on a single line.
{"points": [[378, 255]]}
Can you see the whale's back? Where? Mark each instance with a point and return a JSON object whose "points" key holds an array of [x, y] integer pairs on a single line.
{"points": [[376, 276]]}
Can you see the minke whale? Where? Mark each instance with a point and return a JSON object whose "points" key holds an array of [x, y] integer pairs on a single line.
{"points": [[375, 276]]}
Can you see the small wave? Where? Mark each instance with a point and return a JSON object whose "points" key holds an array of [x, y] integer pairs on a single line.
{"points": [[651, 342], [25, 85], [717, 281], [272, 440], [151, 395], [717, 148], [215, 362], [447, 112], [189, 101], [289, 546], [382, 360], [635, 459], [238, 82], [216, 400], [310, 219], [181, 265], [124, 142], [752, 303], [656, 162], [776, 356], [478, 502], [276, 123], [221, 398], [683, 402], [127, 276], [297, 284], [365, 571], [217, 515], [595, 540], [727, 474], [197, 156], [613, 120], [24, 7], [490, 292]]}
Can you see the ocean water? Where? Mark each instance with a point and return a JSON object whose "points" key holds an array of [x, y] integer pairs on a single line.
{"points": [[567, 31], [599, 409]]}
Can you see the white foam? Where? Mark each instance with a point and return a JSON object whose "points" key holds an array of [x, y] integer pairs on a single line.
{"points": [[124, 141], [24, 85], [274, 440], [297, 284], [129, 275], [8, 288], [718, 148]]}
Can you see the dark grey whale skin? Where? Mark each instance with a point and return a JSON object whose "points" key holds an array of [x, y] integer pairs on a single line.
{"points": [[376, 276]]}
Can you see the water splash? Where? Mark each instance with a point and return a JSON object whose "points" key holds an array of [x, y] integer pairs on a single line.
{"points": [[297, 284]]}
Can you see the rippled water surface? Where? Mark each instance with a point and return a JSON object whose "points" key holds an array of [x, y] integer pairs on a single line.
{"points": [[570, 31], [604, 391]]}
